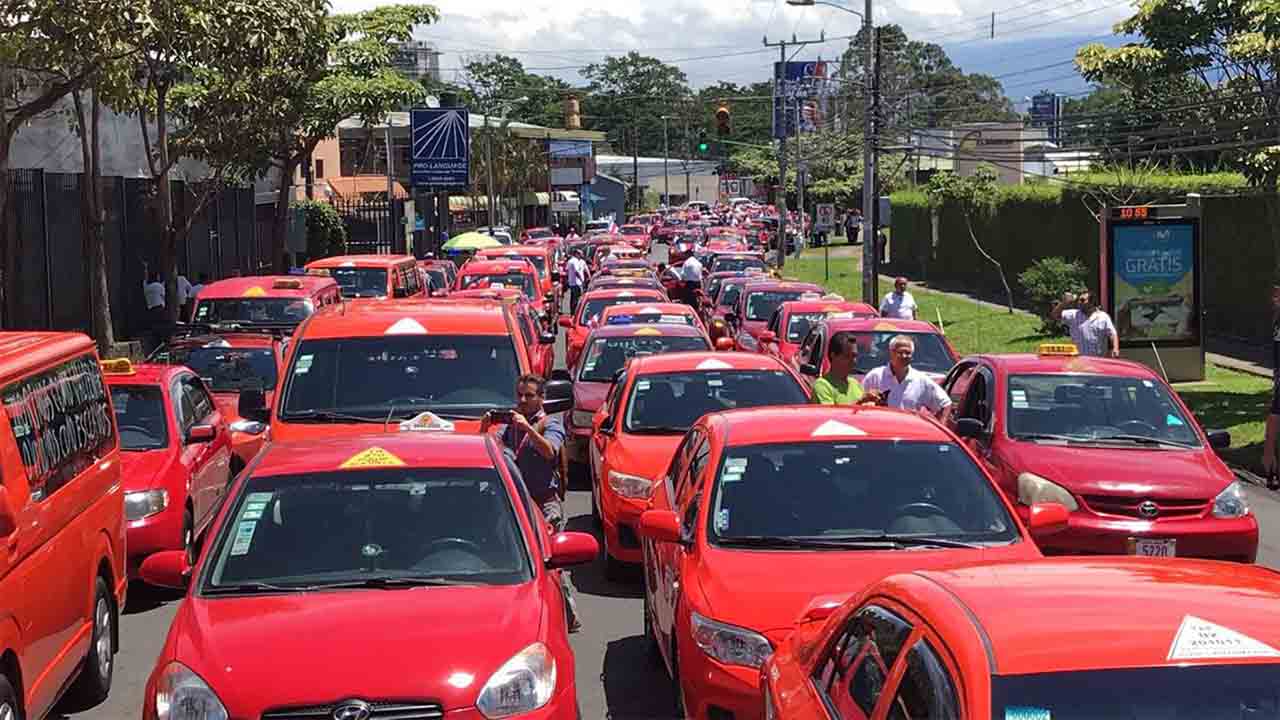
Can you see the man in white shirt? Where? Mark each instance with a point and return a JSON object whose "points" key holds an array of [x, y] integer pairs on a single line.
{"points": [[691, 274], [153, 296], [899, 303], [901, 386], [1091, 328], [576, 272], [201, 280], [184, 294]]}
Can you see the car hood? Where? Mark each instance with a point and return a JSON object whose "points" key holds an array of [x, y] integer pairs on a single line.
{"points": [[782, 583], [340, 644], [589, 396], [142, 469], [1124, 472], [645, 455]]}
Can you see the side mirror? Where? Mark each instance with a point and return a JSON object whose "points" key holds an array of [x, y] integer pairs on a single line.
{"points": [[660, 526], [252, 405], [557, 396], [565, 321], [1218, 439], [8, 519], [201, 433], [768, 336], [809, 369], [1048, 518], [547, 338], [572, 548], [166, 569], [724, 344], [970, 428]]}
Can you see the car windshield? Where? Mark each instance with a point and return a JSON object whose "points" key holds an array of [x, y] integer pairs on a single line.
{"points": [[140, 417], [254, 310], [729, 293], [1090, 407], [931, 354], [736, 264], [761, 304], [439, 278], [540, 234], [607, 355], [632, 231], [517, 280], [316, 529], [225, 369], [842, 488], [400, 376], [670, 403], [592, 308], [361, 282], [1204, 692], [798, 324]]}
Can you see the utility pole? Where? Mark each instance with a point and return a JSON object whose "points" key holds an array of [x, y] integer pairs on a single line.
{"points": [[635, 169], [782, 154], [391, 196], [875, 195], [802, 175], [666, 175], [870, 291], [489, 171], [687, 151]]}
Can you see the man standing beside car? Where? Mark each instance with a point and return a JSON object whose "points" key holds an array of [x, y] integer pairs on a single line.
{"points": [[901, 386]]}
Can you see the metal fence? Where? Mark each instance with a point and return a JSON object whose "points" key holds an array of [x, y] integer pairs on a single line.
{"points": [[45, 266], [372, 226]]}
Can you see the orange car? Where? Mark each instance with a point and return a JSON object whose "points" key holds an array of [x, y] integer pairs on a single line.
{"points": [[376, 365], [592, 303], [1082, 638], [371, 276], [762, 510], [480, 274], [540, 256], [646, 413], [284, 300]]}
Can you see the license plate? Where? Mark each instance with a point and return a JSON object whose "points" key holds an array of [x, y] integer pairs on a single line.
{"points": [[1153, 548]]}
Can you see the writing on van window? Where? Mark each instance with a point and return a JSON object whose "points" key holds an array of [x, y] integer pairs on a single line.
{"points": [[61, 420]]}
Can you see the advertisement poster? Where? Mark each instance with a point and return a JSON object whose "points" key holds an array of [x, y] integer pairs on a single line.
{"points": [[441, 148], [1154, 282]]}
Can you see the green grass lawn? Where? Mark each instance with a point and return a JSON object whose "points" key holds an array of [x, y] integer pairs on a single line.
{"points": [[1234, 401]]}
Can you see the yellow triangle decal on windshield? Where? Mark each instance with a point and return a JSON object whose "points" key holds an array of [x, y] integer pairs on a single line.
{"points": [[370, 458]]}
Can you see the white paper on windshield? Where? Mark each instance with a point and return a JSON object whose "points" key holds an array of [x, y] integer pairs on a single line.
{"points": [[833, 428], [304, 365], [1199, 639], [244, 537], [1019, 399], [722, 519], [642, 385]]}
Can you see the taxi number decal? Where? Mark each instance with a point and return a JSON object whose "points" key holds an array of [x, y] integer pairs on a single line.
{"points": [[372, 457], [1199, 639]]}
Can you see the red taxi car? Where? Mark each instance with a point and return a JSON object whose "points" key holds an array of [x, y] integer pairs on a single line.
{"points": [[266, 299], [658, 312], [538, 341], [1115, 444], [933, 356], [637, 236], [540, 256], [763, 510], [175, 459], [538, 235], [792, 321], [1062, 638], [608, 348], [408, 541], [498, 274], [592, 303], [445, 271], [756, 305], [648, 410], [737, 262], [371, 276]]}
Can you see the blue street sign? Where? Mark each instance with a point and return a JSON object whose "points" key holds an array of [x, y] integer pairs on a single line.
{"points": [[441, 148]]}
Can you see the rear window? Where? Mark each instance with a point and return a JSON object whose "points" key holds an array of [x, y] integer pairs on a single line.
{"points": [[254, 310], [591, 309], [361, 282], [606, 356]]}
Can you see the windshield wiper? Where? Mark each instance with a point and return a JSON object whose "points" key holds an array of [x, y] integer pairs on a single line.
{"points": [[1046, 436], [901, 540], [327, 416], [659, 430], [1141, 440], [869, 541], [391, 583], [252, 587]]}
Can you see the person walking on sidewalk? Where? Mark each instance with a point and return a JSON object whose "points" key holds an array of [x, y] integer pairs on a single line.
{"points": [[899, 304], [1273, 416]]}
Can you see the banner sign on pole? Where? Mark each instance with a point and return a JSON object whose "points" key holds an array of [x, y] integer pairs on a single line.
{"points": [[441, 158], [826, 217], [803, 84]]}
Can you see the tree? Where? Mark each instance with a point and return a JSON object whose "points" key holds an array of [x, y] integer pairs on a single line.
{"points": [[499, 85], [343, 70], [628, 97], [974, 196]]}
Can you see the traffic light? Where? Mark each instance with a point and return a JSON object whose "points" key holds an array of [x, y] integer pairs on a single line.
{"points": [[703, 146], [722, 121]]}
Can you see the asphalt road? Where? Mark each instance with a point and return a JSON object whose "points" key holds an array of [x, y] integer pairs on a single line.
{"points": [[615, 678]]}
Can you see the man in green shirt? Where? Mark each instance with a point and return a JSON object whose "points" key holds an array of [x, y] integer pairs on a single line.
{"points": [[836, 387]]}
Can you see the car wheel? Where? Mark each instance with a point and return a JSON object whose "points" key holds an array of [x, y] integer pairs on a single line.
{"points": [[10, 709], [94, 682], [189, 537], [677, 691], [650, 639]]}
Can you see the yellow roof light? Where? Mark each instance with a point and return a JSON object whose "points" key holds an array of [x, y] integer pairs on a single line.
{"points": [[287, 284], [647, 331], [1062, 349], [254, 291], [321, 272], [119, 366]]}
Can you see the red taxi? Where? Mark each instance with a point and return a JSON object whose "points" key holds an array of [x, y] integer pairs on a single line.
{"points": [[637, 236], [371, 276], [445, 272], [658, 312], [933, 356], [540, 256], [792, 321], [625, 282], [408, 541], [497, 274], [538, 235], [621, 267], [608, 348], [592, 303], [538, 341], [762, 510], [737, 262], [375, 367], [1062, 638], [757, 303], [650, 407], [175, 456], [1115, 444], [266, 299]]}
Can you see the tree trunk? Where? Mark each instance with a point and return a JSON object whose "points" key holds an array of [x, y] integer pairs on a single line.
{"points": [[280, 223], [93, 219], [9, 262], [1008, 293], [164, 208]]}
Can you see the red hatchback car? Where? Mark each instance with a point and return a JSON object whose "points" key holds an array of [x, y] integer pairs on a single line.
{"points": [[792, 321], [763, 510], [1115, 444], [756, 305], [406, 541], [590, 305]]}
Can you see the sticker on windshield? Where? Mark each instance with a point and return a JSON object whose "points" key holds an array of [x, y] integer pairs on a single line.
{"points": [[254, 291], [1148, 383], [244, 537], [1199, 639], [1019, 399], [1016, 712], [642, 385], [372, 457], [1172, 420], [715, 382], [304, 365], [722, 520], [835, 427]]}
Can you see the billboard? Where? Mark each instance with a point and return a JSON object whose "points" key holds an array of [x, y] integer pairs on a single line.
{"points": [[1046, 110], [1154, 285], [441, 158], [803, 85]]}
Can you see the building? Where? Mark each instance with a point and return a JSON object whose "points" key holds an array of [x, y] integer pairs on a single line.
{"points": [[686, 179], [417, 60], [1015, 152], [608, 197]]}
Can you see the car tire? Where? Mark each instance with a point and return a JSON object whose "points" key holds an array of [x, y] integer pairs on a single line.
{"points": [[651, 650], [189, 537], [10, 708], [677, 691], [94, 683]]}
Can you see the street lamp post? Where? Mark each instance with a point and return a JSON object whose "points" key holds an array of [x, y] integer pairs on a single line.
{"points": [[491, 200]]}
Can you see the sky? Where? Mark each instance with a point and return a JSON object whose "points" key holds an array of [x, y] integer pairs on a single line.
{"points": [[712, 40]]}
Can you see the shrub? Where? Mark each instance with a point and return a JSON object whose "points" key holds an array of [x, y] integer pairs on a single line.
{"points": [[326, 235], [1044, 283]]}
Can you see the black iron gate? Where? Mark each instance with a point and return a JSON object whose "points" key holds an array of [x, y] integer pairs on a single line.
{"points": [[372, 226]]}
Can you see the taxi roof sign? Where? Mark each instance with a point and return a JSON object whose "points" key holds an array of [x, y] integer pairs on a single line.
{"points": [[372, 458], [647, 331], [287, 284], [1062, 349], [118, 366], [255, 291]]}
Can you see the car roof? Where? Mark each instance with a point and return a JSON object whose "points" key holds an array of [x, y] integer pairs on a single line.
{"points": [[707, 360], [454, 317], [146, 374], [664, 308], [411, 449], [480, 267], [374, 261], [651, 329], [803, 423], [1065, 614], [1033, 363], [22, 352], [880, 324], [830, 306], [265, 286]]}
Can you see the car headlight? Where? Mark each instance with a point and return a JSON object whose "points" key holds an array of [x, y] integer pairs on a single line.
{"points": [[182, 695], [730, 644], [523, 684], [252, 427], [145, 503], [631, 486], [1231, 502], [1034, 489], [582, 418]]}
